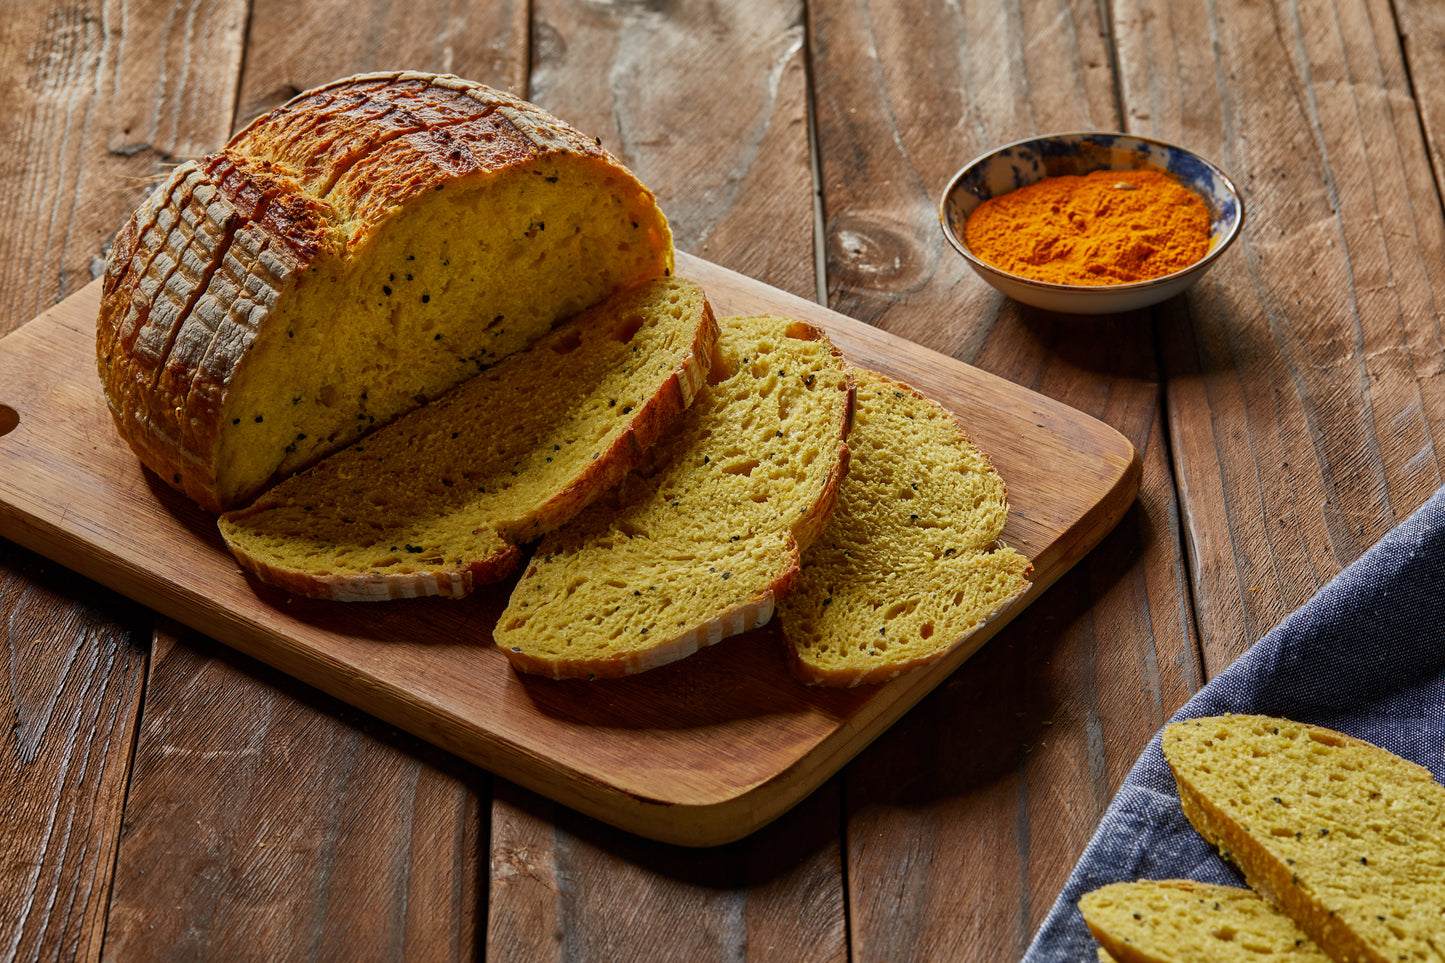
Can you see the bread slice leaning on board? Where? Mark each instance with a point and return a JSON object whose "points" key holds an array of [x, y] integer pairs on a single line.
{"points": [[911, 565], [1346, 838], [438, 500], [698, 544], [1181, 921], [346, 257]]}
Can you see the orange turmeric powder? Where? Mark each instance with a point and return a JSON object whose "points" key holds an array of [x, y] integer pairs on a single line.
{"points": [[1106, 227]]}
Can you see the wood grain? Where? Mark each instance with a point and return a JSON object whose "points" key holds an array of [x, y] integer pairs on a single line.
{"points": [[1304, 389], [72, 679], [630, 752], [1009, 765], [111, 94], [1285, 412], [277, 823], [566, 887], [297, 46], [734, 178]]}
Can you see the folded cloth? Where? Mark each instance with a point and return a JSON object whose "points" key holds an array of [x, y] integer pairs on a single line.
{"points": [[1365, 656]]}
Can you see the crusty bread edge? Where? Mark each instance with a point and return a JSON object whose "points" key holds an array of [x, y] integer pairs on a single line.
{"points": [[647, 423], [1117, 950], [752, 614], [847, 679], [834, 678], [1265, 874], [644, 426], [189, 466], [755, 612]]}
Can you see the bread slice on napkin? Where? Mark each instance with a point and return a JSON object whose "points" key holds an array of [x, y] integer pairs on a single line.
{"points": [[698, 544], [1181, 921], [1347, 838], [910, 565], [362, 248], [438, 500]]}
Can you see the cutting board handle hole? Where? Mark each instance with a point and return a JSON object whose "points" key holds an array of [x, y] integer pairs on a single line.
{"points": [[9, 418]]}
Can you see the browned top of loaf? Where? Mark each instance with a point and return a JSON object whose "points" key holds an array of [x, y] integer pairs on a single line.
{"points": [[344, 154], [374, 141], [318, 174]]}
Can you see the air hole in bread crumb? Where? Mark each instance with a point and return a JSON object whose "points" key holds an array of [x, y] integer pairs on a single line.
{"points": [[571, 342], [628, 327]]}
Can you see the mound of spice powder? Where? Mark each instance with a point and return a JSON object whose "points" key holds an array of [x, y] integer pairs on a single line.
{"points": [[1106, 227]]}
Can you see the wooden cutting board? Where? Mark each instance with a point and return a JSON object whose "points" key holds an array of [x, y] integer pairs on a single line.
{"points": [[698, 753]]}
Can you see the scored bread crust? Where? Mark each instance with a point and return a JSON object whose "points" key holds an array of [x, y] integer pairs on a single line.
{"points": [[1292, 882], [639, 428], [201, 267]]}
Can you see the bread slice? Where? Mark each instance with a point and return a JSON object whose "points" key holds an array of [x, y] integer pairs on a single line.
{"points": [[699, 544], [353, 253], [1181, 921], [1345, 837], [911, 565], [438, 500]]}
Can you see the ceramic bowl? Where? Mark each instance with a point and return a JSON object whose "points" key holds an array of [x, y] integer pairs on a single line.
{"points": [[1027, 161]]}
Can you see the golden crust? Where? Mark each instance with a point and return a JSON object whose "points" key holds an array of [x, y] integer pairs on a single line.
{"points": [[1347, 839], [1183, 921], [210, 257]]}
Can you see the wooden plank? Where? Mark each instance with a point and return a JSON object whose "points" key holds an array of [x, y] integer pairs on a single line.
{"points": [[72, 678], [727, 159], [1421, 26], [1304, 389], [631, 752], [97, 103], [566, 887], [351, 841], [983, 797], [266, 821], [110, 96]]}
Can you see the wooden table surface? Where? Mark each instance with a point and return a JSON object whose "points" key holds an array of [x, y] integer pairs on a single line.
{"points": [[167, 798]]}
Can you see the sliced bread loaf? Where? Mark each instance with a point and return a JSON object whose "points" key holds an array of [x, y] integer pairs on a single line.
{"points": [[1181, 921], [353, 253], [698, 544], [437, 501], [1345, 837], [910, 565]]}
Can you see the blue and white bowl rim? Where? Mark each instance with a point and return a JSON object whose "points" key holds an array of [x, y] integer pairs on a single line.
{"points": [[978, 181]]}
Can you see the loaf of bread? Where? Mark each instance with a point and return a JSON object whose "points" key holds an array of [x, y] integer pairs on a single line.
{"points": [[697, 545], [437, 501], [355, 252], [910, 565], [1346, 838], [1181, 921]]}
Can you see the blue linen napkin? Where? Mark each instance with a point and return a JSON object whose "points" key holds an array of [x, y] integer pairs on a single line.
{"points": [[1365, 656]]}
